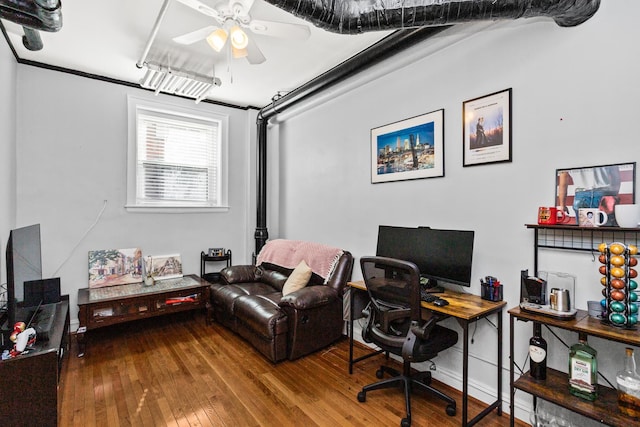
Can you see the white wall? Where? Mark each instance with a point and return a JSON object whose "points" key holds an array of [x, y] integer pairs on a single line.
{"points": [[575, 103], [71, 157], [8, 68]]}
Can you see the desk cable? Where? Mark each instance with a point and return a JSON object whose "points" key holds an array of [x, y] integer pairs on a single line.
{"points": [[475, 327]]}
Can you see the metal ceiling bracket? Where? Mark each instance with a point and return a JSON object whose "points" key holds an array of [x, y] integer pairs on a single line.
{"points": [[154, 32]]}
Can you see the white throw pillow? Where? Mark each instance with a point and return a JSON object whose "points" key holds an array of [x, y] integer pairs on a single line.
{"points": [[298, 279]]}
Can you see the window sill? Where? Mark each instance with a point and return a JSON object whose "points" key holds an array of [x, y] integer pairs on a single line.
{"points": [[175, 209]]}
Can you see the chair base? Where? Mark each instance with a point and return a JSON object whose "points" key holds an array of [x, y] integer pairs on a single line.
{"points": [[407, 381]]}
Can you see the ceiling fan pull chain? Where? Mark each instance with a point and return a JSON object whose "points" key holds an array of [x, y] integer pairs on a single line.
{"points": [[229, 64]]}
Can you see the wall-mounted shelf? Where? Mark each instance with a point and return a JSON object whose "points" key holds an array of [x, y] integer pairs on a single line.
{"points": [[572, 237]]}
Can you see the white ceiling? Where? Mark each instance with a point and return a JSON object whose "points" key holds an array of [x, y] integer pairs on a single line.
{"points": [[107, 39]]}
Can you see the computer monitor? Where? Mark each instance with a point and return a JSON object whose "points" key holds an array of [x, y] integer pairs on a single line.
{"points": [[440, 255], [447, 255], [399, 242]]}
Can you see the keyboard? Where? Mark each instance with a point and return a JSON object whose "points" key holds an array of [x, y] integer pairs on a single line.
{"points": [[427, 297]]}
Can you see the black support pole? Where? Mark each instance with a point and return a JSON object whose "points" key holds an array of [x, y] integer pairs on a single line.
{"points": [[384, 49]]}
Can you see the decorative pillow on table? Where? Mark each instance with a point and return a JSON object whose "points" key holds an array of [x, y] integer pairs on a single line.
{"points": [[298, 279]]}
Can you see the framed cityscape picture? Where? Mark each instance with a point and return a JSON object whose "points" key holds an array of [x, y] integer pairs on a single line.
{"points": [[486, 129], [409, 149]]}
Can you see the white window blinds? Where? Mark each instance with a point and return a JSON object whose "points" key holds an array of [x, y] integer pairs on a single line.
{"points": [[177, 160]]}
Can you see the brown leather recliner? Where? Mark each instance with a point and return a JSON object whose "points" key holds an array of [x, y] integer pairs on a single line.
{"points": [[249, 301]]}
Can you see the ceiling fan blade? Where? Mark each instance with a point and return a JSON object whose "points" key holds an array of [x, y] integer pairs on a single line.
{"points": [[279, 29], [254, 54], [201, 7], [195, 36]]}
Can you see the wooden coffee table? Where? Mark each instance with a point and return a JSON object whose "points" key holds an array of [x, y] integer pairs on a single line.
{"points": [[100, 307]]}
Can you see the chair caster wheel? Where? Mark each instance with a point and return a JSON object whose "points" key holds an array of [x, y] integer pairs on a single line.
{"points": [[406, 422], [451, 410], [362, 396], [379, 374]]}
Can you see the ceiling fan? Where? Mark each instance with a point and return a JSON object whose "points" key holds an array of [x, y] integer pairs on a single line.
{"points": [[232, 20]]}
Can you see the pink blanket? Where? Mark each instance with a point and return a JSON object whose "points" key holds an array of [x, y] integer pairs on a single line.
{"points": [[288, 253]]}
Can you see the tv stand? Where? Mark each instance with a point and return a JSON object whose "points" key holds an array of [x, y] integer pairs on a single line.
{"points": [[30, 393]]}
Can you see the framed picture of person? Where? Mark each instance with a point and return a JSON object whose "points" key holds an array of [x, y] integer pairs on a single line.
{"points": [[486, 129], [600, 187]]}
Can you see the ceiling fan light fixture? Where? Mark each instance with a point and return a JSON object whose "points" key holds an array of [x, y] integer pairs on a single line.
{"points": [[239, 38], [238, 53], [217, 39]]}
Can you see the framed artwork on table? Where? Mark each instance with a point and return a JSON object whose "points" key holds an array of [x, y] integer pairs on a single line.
{"points": [[110, 267], [601, 187], [486, 129], [409, 149], [162, 267]]}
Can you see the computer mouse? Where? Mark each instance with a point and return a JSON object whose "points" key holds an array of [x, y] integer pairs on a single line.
{"points": [[441, 302]]}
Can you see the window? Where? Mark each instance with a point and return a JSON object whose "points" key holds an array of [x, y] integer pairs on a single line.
{"points": [[175, 158]]}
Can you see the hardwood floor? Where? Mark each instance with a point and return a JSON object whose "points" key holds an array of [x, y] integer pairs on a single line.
{"points": [[176, 371]]}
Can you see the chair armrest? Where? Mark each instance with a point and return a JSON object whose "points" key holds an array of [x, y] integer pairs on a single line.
{"points": [[423, 331], [309, 297], [239, 274]]}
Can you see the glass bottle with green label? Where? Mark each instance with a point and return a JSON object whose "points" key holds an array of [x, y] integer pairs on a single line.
{"points": [[583, 371]]}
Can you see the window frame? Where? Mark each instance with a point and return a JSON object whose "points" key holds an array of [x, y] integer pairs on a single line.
{"points": [[178, 112]]}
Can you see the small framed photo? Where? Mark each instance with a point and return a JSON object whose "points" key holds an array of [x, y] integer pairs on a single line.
{"points": [[486, 129], [163, 267], [216, 251], [409, 149]]}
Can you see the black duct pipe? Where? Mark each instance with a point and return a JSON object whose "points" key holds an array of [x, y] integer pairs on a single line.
{"points": [[34, 15], [357, 16], [45, 15], [31, 39]]}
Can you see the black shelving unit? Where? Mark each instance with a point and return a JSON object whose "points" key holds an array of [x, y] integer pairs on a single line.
{"points": [[205, 258]]}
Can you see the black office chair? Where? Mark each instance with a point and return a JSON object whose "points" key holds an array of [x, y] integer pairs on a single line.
{"points": [[395, 325]]}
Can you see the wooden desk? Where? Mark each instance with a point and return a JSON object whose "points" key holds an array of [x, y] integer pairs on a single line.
{"points": [[466, 309]]}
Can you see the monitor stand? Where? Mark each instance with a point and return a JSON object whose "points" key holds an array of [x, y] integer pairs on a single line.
{"points": [[431, 286]]}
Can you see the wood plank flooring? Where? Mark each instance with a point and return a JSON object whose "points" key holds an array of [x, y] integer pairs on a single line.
{"points": [[176, 371]]}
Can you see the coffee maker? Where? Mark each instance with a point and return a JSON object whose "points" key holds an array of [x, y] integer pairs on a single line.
{"points": [[550, 294]]}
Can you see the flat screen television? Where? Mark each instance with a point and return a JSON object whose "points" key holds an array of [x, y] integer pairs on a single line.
{"points": [[440, 255], [24, 263]]}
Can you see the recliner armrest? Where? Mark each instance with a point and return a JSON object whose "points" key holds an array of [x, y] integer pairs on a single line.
{"points": [[309, 297], [239, 274]]}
